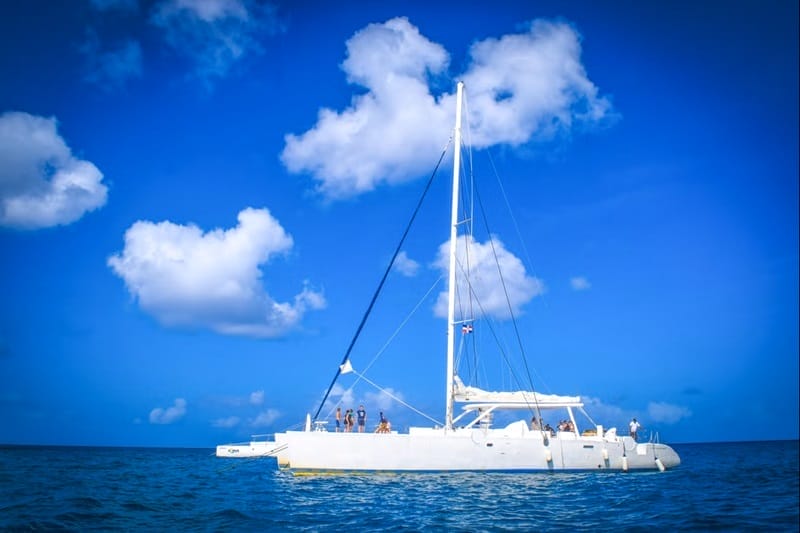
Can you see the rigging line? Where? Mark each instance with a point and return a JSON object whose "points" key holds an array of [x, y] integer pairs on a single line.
{"points": [[468, 142], [395, 398], [383, 280], [493, 332], [402, 324], [510, 308], [391, 338], [524, 247], [514, 220]]}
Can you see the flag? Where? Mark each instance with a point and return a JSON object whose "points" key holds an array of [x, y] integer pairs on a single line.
{"points": [[346, 368], [466, 328]]}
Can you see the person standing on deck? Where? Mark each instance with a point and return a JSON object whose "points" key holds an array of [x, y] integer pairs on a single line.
{"points": [[634, 428], [362, 418], [338, 418]]}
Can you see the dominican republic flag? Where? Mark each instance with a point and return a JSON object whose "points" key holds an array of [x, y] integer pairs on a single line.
{"points": [[466, 328]]}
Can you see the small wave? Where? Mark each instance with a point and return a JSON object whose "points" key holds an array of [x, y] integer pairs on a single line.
{"points": [[136, 506], [85, 502], [77, 519], [231, 514]]}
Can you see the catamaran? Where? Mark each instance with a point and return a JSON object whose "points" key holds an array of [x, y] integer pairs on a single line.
{"points": [[467, 441]]}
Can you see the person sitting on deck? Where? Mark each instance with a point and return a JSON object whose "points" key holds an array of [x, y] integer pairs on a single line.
{"points": [[534, 424], [384, 426]]}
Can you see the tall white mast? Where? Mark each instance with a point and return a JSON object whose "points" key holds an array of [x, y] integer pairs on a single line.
{"points": [[451, 289]]}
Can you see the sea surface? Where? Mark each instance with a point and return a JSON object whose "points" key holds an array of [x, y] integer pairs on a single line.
{"points": [[723, 486]]}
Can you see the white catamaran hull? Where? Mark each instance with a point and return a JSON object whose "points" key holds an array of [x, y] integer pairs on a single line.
{"points": [[513, 449], [249, 449]]}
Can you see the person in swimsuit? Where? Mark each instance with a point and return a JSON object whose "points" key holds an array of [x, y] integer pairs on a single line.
{"points": [[338, 418], [348, 421]]}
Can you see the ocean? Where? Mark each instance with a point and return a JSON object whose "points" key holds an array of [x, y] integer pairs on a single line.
{"points": [[721, 486]]}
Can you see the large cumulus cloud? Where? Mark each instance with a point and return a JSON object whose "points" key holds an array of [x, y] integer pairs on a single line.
{"points": [[41, 183], [187, 277], [521, 87]]}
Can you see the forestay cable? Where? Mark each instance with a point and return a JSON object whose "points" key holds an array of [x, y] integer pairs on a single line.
{"points": [[383, 280]]}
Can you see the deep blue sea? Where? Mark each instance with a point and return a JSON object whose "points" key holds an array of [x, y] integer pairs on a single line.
{"points": [[724, 487]]}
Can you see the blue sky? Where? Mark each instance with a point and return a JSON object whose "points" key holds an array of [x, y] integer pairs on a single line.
{"points": [[198, 199]]}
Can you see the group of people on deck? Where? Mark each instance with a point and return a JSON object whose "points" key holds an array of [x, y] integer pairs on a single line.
{"points": [[536, 425], [564, 425], [350, 418], [567, 425]]}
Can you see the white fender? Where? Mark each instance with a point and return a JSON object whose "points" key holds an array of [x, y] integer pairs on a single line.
{"points": [[548, 456], [660, 465], [605, 454], [624, 463]]}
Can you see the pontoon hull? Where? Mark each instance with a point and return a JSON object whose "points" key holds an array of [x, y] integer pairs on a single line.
{"points": [[248, 449], [434, 450]]}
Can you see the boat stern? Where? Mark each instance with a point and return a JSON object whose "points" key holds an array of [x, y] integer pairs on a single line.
{"points": [[668, 457]]}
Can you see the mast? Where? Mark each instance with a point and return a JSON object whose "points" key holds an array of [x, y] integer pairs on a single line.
{"points": [[451, 286]]}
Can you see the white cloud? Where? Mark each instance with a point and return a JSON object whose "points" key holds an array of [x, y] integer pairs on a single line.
{"points": [[186, 277], [214, 34], [603, 413], [265, 418], [486, 284], [530, 85], [666, 412], [227, 422], [381, 400], [405, 265], [521, 87], [579, 283], [111, 68], [41, 183], [657, 412], [340, 395], [169, 415], [257, 397]]}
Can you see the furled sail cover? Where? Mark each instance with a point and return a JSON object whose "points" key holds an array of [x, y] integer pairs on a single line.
{"points": [[474, 394]]}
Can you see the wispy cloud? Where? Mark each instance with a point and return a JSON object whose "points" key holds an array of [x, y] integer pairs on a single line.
{"points": [[187, 277], [339, 395], [382, 400], [580, 283], [265, 418], [41, 183], [605, 413], [667, 412], [111, 68], [405, 265], [226, 422], [613, 415], [257, 397], [486, 284], [215, 34], [160, 415], [521, 87]]}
